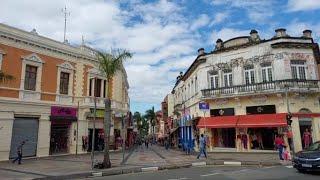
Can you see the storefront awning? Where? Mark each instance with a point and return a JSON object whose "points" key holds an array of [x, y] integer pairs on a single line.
{"points": [[262, 120], [218, 122], [306, 115]]}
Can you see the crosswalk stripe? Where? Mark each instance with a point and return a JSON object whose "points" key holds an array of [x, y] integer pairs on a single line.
{"points": [[205, 175], [289, 166]]}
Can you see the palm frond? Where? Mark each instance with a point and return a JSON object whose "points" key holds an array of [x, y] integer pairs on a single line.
{"points": [[110, 63]]}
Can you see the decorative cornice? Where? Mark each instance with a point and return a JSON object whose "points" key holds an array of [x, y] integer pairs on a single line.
{"points": [[31, 39], [33, 57]]}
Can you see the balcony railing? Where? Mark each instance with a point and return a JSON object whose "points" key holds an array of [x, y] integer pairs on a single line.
{"points": [[272, 86]]}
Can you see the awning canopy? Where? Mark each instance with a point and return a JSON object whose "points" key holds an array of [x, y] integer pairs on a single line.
{"points": [[306, 115], [262, 120], [244, 121], [218, 122]]}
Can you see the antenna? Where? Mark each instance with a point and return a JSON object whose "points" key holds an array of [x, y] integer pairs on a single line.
{"points": [[65, 12]]}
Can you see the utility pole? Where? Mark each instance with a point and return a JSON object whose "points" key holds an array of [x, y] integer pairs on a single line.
{"points": [[66, 13], [289, 114], [123, 138], [77, 137], [94, 124]]}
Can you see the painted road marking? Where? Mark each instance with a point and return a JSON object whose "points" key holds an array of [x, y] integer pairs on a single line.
{"points": [[212, 174], [289, 166]]}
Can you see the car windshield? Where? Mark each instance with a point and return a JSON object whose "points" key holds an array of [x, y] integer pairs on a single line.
{"points": [[314, 147]]}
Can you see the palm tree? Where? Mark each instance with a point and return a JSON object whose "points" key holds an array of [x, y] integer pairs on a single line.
{"points": [[151, 116], [4, 77], [109, 64]]}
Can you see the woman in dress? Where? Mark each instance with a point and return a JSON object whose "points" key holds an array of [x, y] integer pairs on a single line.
{"points": [[306, 138]]}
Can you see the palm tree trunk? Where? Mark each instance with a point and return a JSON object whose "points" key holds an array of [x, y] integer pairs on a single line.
{"points": [[107, 122]]}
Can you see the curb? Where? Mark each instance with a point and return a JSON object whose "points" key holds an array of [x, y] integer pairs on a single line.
{"points": [[110, 172]]}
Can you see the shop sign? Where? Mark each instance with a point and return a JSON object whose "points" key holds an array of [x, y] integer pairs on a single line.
{"points": [[222, 112], [99, 113], [267, 109], [204, 106], [63, 111]]}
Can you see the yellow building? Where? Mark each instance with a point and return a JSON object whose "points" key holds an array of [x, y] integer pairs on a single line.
{"points": [[251, 85]]}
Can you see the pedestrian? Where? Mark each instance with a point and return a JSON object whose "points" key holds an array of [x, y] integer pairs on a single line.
{"points": [[146, 143], [306, 138], [279, 143], [19, 153], [260, 141], [202, 146]]}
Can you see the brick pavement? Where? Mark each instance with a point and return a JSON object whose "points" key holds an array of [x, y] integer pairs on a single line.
{"points": [[140, 157]]}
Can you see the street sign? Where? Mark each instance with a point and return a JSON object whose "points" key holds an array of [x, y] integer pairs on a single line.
{"points": [[204, 106]]}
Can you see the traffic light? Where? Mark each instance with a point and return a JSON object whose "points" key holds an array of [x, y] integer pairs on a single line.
{"points": [[289, 121]]}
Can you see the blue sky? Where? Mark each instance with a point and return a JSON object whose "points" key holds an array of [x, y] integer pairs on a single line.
{"points": [[164, 35]]}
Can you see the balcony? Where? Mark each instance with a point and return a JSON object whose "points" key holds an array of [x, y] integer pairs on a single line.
{"points": [[264, 87], [100, 103]]}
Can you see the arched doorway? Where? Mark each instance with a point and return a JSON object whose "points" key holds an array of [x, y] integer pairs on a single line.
{"points": [[305, 125]]}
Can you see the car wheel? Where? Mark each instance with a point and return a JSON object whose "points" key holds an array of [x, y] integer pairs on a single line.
{"points": [[301, 170]]}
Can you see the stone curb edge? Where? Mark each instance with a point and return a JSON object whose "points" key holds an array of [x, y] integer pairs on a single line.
{"points": [[111, 172]]}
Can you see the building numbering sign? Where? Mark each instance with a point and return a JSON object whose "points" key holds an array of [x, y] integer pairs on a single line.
{"points": [[204, 106]]}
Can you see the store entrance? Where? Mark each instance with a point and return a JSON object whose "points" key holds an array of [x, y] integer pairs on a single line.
{"points": [[224, 137], [262, 138], [98, 140], [59, 138], [305, 125]]}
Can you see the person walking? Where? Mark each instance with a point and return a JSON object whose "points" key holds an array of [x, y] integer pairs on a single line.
{"points": [[202, 146], [19, 153], [279, 145], [306, 138], [146, 143]]}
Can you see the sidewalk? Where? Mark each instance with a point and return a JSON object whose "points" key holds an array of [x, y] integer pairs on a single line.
{"points": [[72, 166]]}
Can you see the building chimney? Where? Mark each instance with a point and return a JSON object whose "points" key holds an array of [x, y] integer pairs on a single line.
{"points": [[219, 44], [254, 36], [34, 31], [307, 33], [281, 32], [200, 51]]}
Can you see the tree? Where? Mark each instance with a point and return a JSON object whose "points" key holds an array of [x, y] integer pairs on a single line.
{"points": [[137, 117], [5, 77], [109, 65], [151, 117]]}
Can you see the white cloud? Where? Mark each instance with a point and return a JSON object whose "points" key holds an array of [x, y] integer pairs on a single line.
{"points": [[303, 5], [157, 33], [258, 11], [219, 17], [228, 33], [200, 22], [295, 28]]}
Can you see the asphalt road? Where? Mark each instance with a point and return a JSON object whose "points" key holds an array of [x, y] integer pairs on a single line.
{"points": [[218, 172]]}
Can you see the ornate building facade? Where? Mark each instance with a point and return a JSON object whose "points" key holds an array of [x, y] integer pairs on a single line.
{"points": [[251, 84], [50, 101]]}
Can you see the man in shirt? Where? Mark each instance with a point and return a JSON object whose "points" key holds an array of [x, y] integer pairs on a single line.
{"points": [[202, 146], [279, 145], [19, 153]]}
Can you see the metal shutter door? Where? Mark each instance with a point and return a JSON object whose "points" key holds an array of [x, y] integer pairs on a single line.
{"points": [[24, 129]]}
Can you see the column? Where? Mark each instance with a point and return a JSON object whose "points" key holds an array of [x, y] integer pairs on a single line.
{"points": [[6, 124], [44, 136], [296, 134], [316, 129]]}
